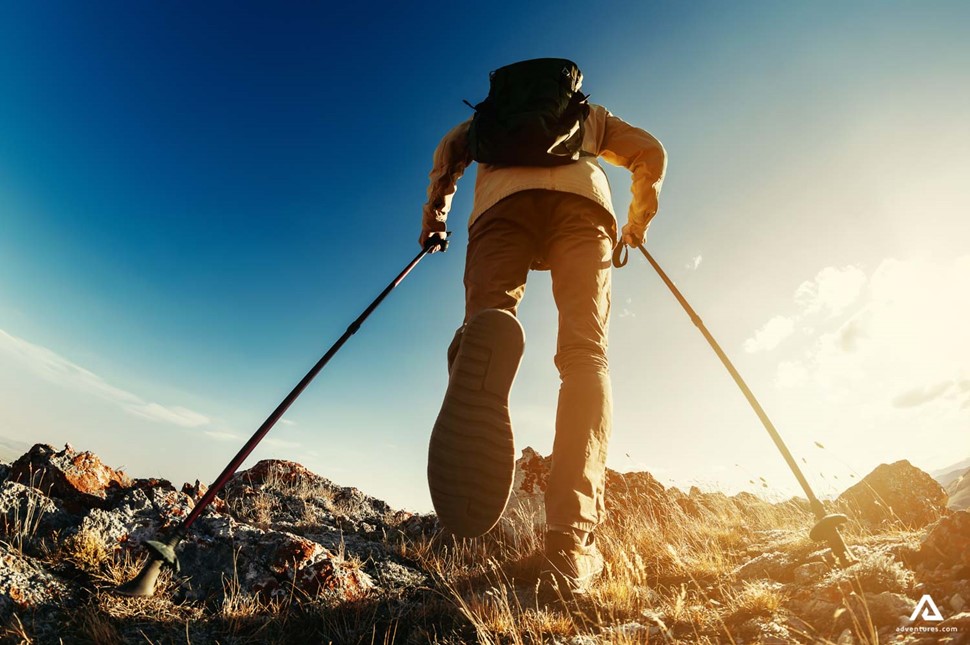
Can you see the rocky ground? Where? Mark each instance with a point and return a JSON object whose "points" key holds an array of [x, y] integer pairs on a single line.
{"points": [[285, 555]]}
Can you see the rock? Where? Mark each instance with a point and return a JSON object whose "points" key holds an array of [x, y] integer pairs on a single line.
{"points": [[196, 491], [527, 504], [583, 639], [948, 542], [959, 492], [26, 585], [750, 504], [630, 632], [417, 527], [957, 602], [810, 572], [28, 516], [813, 610], [268, 563], [959, 622], [139, 514], [635, 492], [766, 631], [884, 608], [775, 565], [276, 472], [285, 494], [683, 501], [715, 505], [79, 479], [897, 492]]}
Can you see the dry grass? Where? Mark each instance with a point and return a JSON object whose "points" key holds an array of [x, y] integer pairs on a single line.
{"points": [[19, 527], [261, 504], [15, 632], [671, 576], [86, 550], [681, 568], [671, 569]]}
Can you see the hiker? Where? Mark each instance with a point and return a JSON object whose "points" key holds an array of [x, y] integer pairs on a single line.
{"points": [[541, 202]]}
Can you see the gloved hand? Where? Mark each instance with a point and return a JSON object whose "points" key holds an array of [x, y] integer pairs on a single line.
{"points": [[433, 235], [633, 235]]}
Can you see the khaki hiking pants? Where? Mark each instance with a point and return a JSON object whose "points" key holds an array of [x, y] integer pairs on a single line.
{"points": [[573, 237]]}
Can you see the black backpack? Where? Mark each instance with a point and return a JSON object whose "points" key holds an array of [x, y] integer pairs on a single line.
{"points": [[534, 115]]}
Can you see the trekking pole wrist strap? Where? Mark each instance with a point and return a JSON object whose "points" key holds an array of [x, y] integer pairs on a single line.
{"points": [[621, 255]]}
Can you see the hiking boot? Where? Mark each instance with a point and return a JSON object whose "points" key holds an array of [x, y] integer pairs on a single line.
{"points": [[572, 564], [471, 456]]}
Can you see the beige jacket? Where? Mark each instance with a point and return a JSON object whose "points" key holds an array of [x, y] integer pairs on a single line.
{"points": [[606, 136]]}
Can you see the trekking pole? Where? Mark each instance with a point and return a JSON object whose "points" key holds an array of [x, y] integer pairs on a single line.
{"points": [[827, 525], [163, 551]]}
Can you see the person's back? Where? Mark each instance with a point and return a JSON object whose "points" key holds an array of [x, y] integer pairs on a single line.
{"points": [[557, 217]]}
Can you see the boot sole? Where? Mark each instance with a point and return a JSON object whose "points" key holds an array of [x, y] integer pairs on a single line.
{"points": [[471, 456]]}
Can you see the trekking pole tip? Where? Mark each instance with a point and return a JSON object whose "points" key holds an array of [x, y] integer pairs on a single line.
{"points": [[827, 530], [143, 584]]}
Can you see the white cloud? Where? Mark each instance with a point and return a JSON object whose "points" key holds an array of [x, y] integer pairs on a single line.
{"points": [[832, 290], [791, 374], [694, 262], [907, 347], [176, 414], [56, 369], [921, 395], [770, 335], [220, 435]]}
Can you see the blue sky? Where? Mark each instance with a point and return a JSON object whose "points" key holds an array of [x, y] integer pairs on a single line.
{"points": [[196, 200]]}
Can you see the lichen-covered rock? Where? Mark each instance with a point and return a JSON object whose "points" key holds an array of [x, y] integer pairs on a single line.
{"points": [[810, 572], [527, 501], [26, 585], [948, 542], [897, 492], [285, 494], [223, 555], [28, 516], [636, 492], [139, 513], [79, 479]]}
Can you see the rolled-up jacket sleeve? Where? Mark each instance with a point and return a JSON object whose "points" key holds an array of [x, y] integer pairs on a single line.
{"points": [[644, 156], [451, 158]]}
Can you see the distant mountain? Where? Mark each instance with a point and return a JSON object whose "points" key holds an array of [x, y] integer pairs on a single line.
{"points": [[959, 492], [950, 476], [951, 473], [11, 449]]}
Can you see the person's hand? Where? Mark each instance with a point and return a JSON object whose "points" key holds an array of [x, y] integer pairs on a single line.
{"points": [[436, 238], [633, 236]]}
